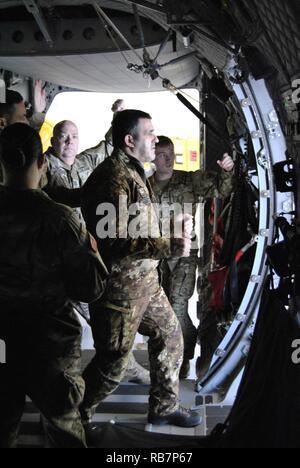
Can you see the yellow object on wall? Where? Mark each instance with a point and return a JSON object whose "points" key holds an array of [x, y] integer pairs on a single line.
{"points": [[46, 133], [187, 154]]}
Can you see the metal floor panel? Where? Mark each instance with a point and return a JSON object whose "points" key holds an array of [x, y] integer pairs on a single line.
{"points": [[128, 406]]}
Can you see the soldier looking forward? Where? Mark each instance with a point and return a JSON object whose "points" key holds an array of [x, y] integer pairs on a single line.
{"points": [[133, 300], [178, 187]]}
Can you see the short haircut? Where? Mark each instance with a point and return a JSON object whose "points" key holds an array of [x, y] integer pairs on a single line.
{"points": [[13, 97], [8, 108], [20, 146], [164, 141], [5, 110], [126, 123], [61, 125]]}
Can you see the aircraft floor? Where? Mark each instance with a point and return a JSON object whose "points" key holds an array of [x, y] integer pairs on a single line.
{"points": [[128, 405]]}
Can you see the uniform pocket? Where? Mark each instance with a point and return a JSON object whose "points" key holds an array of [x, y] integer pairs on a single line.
{"points": [[62, 392], [74, 390], [67, 394], [182, 280], [112, 326]]}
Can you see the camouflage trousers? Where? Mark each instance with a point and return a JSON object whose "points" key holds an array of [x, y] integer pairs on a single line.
{"points": [[53, 384], [179, 280], [114, 326]]}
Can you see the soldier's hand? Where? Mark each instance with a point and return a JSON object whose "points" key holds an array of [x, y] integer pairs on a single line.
{"points": [[40, 98], [227, 163], [181, 247]]}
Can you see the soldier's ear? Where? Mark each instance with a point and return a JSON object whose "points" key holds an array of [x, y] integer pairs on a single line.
{"points": [[129, 141]]}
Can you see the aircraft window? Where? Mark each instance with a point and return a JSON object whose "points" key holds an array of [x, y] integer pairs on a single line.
{"points": [[92, 114]]}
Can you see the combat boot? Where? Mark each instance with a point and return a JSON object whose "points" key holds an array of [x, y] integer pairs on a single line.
{"points": [[181, 417], [135, 373]]}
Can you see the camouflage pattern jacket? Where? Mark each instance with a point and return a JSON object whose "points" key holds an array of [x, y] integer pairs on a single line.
{"points": [[120, 183], [63, 182], [193, 187], [47, 259]]}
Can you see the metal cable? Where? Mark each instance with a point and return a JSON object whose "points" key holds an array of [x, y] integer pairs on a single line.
{"points": [[102, 14], [106, 27]]}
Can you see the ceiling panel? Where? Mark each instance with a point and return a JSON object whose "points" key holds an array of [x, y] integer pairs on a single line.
{"points": [[102, 72]]}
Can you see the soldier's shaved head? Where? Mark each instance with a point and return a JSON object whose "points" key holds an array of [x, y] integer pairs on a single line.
{"points": [[65, 141], [61, 125]]}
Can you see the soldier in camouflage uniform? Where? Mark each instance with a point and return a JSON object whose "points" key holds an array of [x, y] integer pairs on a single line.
{"points": [[170, 187], [47, 259], [133, 300], [66, 175], [66, 169]]}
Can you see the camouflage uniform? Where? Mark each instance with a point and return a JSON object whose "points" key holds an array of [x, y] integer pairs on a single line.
{"points": [[104, 149], [61, 177], [47, 259], [179, 275], [64, 185], [133, 300]]}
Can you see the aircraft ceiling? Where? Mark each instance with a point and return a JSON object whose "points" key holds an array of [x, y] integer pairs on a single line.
{"points": [[219, 31], [105, 72], [99, 66]]}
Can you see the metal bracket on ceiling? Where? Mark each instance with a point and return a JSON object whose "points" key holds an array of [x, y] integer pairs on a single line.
{"points": [[36, 12]]}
